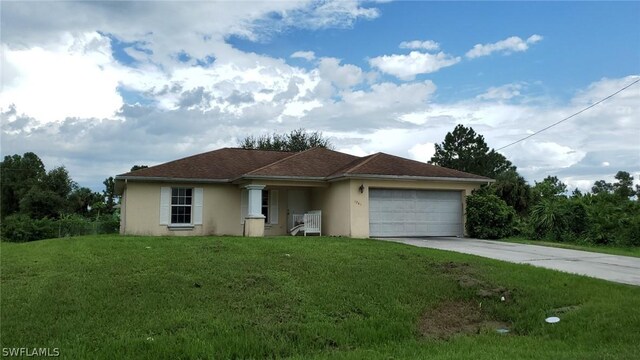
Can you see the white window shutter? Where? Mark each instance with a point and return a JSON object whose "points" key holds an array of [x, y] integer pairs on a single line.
{"points": [[197, 206], [273, 206], [165, 205], [244, 205]]}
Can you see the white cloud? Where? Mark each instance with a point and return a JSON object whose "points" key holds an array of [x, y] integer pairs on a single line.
{"points": [[399, 119], [504, 92], [406, 67], [331, 13], [506, 46], [428, 45], [77, 78], [534, 39], [343, 76], [423, 152], [380, 107], [307, 55], [354, 150], [167, 27], [538, 154], [61, 75]]}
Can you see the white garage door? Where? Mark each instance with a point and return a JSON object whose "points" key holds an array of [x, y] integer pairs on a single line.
{"points": [[415, 213]]}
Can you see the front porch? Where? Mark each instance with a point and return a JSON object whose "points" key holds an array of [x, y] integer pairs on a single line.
{"points": [[307, 223], [272, 210]]}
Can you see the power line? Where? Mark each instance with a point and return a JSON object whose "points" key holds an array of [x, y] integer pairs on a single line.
{"points": [[571, 116]]}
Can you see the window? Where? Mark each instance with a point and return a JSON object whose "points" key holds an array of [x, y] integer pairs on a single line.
{"points": [[181, 200]]}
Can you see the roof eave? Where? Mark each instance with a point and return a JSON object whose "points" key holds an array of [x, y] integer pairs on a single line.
{"points": [[170, 179], [280, 178], [409, 178], [121, 179]]}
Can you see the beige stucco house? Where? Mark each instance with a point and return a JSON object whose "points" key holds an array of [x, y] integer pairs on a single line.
{"points": [[255, 192]]}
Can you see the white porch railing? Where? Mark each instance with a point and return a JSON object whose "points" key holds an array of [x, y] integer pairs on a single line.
{"points": [[308, 223]]}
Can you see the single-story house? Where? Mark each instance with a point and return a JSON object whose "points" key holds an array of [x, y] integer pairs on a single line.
{"points": [[235, 191]]}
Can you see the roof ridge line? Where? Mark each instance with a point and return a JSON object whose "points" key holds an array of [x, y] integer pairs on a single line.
{"points": [[370, 157], [278, 161]]}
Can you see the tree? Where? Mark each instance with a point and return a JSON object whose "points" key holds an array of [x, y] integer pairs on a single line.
{"points": [[59, 182], [467, 151], [601, 187], [513, 189], [41, 203], [576, 194], [549, 188], [82, 197], [624, 186], [296, 140], [19, 174], [109, 194]]}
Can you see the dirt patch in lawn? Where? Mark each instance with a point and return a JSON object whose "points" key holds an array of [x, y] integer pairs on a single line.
{"points": [[466, 277], [450, 318], [457, 317]]}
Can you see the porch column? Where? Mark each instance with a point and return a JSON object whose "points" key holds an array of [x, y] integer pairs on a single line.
{"points": [[254, 223]]}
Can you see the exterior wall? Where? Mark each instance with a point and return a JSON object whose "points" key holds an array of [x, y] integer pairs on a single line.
{"points": [[359, 203], [345, 211], [334, 202], [141, 210], [123, 211]]}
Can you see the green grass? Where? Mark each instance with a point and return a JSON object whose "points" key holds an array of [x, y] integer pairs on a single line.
{"points": [[115, 297], [604, 249]]}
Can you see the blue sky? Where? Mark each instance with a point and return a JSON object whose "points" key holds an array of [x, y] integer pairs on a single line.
{"points": [[582, 41], [100, 86]]}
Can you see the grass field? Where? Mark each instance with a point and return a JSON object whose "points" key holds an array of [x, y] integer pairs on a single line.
{"points": [[112, 297]]}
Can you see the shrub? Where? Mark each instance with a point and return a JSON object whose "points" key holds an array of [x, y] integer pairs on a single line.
{"points": [[21, 228], [70, 225], [108, 224], [613, 220], [559, 219], [489, 217]]}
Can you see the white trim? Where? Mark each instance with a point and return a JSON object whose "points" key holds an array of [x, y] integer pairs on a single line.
{"points": [[180, 227], [198, 195], [165, 205]]}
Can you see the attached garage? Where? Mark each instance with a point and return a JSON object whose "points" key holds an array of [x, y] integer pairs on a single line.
{"points": [[395, 212]]}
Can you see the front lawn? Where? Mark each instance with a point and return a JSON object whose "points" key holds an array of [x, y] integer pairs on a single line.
{"points": [[108, 297]]}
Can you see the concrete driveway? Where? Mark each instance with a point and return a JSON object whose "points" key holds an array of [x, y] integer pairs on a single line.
{"points": [[622, 269]]}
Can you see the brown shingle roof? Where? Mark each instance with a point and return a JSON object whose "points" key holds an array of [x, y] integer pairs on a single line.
{"points": [[222, 164], [385, 164], [316, 162], [232, 163]]}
